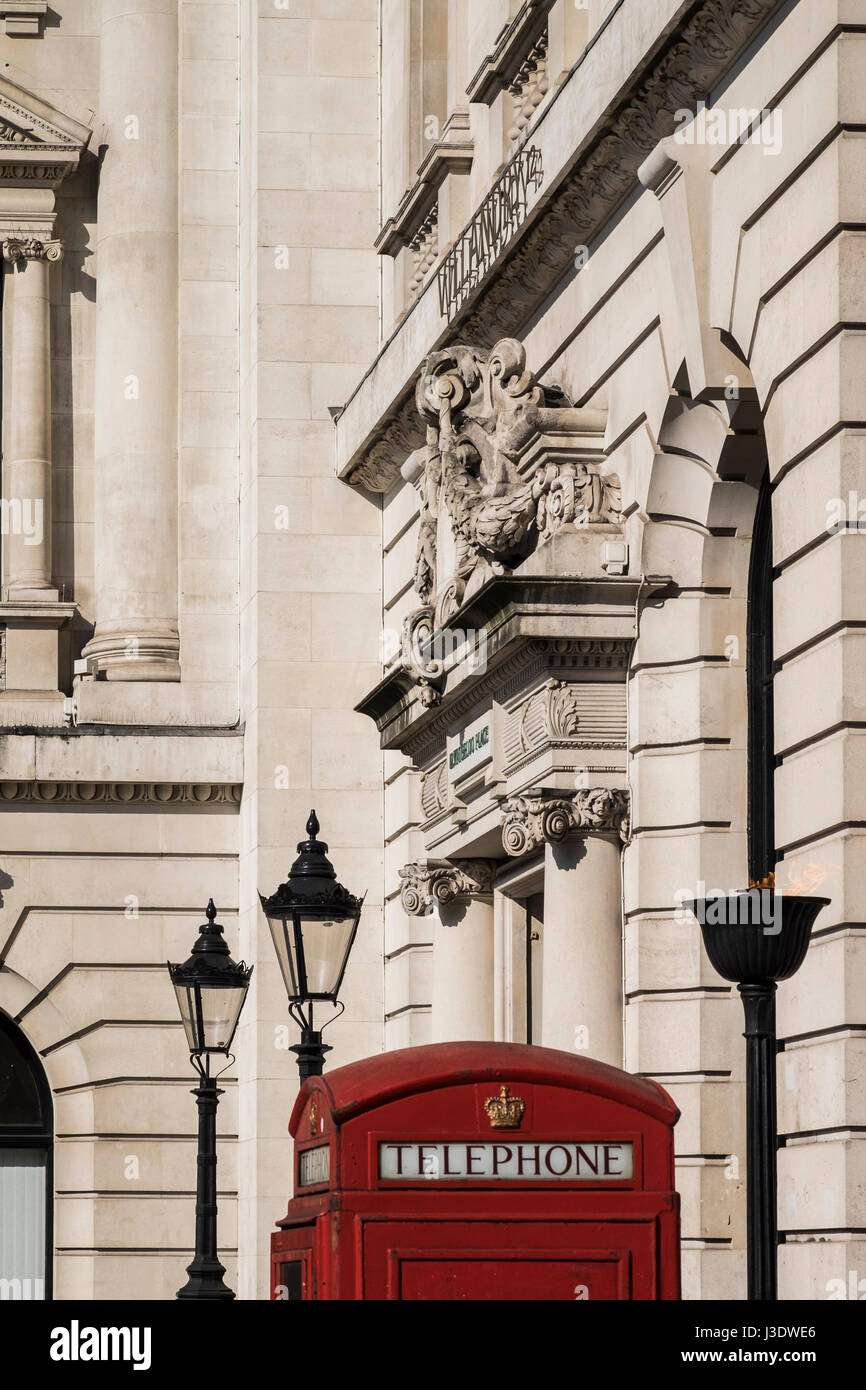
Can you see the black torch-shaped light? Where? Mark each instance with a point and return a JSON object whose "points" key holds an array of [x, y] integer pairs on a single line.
{"points": [[754, 939]]}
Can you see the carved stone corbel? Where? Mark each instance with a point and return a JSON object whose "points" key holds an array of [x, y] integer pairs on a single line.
{"points": [[416, 655], [443, 881], [532, 820], [508, 463]]}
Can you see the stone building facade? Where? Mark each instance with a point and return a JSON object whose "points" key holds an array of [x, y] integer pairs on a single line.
{"points": [[435, 407]]}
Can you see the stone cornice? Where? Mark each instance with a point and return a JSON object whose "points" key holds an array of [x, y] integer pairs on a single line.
{"points": [[444, 881], [683, 66], [501, 66], [452, 154], [23, 18], [593, 620]]}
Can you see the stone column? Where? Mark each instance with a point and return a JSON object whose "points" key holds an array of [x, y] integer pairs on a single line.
{"points": [[136, 546], [461, 896], [27, 461], [582, 960]]}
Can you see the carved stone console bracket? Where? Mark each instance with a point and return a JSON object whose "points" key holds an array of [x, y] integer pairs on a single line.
{"points": [[444, 881], [508, 464], [532, 820], [417, 657]]}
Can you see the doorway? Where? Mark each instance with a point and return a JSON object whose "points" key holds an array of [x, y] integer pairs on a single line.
{"points": [[26, 1142]]}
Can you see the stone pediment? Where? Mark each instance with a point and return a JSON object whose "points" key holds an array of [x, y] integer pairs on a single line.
{"points": [[38, 143]]}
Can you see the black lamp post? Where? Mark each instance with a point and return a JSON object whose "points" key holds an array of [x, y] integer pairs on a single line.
{"points": [[313, 921], [211, 989], [755, 938]]}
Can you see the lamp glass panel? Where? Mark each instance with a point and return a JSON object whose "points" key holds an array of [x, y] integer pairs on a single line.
{"points": [[325, 946], [283, 933], [189, 1015], [220, 1009]]}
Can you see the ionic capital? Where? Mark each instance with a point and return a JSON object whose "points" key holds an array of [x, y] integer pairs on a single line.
{"points": [[530, 821], [32, 248], [442, 882]]}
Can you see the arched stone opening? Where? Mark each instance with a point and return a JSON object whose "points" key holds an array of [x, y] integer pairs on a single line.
{"points": [[26, 1169]]}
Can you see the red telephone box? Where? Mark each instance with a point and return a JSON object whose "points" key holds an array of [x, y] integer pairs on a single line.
{"points": [[480, 1171]]}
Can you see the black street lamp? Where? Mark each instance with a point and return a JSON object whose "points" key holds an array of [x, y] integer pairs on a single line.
{"points": [[313, 921], [754, 939], [211, 989]]}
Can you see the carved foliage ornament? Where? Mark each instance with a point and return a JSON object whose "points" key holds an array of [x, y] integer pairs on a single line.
{"points": [[443, 882], [434, 790], [554, 713], [532, 820]]}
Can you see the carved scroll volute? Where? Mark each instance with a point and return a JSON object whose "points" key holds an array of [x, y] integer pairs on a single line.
{"points": [[512, 389], [446, 387]]}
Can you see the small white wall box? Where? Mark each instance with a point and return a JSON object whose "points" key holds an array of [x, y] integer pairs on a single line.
{"points": [[615, 559]]}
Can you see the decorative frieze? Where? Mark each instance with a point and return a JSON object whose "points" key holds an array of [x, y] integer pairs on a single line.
{"points": [[588, 714], [534, 819], [128, 793], [442, 882]]}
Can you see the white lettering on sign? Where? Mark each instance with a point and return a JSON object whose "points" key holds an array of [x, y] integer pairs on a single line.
{"points": [[470, 749], [514, 1160], [314, 1166]]}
